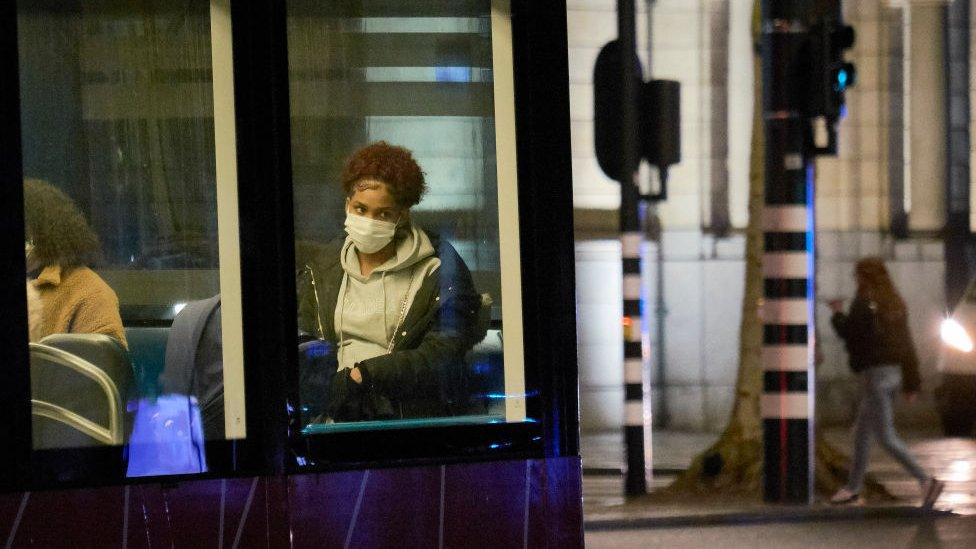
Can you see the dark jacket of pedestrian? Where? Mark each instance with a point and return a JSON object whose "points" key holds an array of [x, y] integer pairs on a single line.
{"points": [[876, 335]]}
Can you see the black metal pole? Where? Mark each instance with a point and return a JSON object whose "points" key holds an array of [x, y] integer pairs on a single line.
{"points": [[788, 261], [960, 249], [14, 381], [631, 239], [654, 231]]}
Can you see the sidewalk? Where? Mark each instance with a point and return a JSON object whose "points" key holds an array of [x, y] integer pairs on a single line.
{"points": [[604, 507]]}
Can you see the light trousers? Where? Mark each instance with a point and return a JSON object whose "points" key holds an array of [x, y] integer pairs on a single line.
{"points": [[875, 417]]}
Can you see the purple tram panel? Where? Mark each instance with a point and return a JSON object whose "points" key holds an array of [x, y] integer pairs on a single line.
{"points": [[526, 503]]}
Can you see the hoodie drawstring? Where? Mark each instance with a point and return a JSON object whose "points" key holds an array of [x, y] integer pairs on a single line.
{"points": [[342, 304], [385, 323]]}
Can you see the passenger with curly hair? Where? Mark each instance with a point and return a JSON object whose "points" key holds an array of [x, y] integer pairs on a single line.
{"points": [[61, 248], [396, 301]]}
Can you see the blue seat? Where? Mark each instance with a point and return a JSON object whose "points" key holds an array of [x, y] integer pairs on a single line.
{"points": [[147, 352]]}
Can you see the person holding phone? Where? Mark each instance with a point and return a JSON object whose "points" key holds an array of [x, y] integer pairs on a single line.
{"points": [[881, 352]]}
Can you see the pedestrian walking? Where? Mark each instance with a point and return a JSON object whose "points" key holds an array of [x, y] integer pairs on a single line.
{"points": [[881, 353]]}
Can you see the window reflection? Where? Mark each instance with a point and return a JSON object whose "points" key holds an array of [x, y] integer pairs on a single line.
{"points": [[420, 79], [61, 248], [393, 305], [128, 262]]}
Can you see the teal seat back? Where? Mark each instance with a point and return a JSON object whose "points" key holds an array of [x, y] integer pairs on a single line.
{"points": [[147, 352]]}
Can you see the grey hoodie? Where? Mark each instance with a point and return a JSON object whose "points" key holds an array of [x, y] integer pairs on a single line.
{"points": [[371, 308]]}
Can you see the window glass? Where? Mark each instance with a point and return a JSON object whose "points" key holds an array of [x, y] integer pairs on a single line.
{"points": [[406, 221], [131, 228]]}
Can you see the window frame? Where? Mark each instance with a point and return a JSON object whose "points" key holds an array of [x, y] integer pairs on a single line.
{"points": [[273, 445]]}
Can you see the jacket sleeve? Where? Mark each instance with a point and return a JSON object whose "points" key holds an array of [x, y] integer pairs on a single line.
{"points": [[436, 360], [857, 324], [309, 272], [307, 307]]}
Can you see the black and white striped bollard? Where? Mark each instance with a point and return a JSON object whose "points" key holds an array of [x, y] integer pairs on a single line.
{"points": [[788, 267]]}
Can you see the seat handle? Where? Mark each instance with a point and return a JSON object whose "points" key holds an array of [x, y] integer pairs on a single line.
{"points": [[96, 374]]}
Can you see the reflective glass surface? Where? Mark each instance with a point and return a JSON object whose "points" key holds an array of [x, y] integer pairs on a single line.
{"points": [[409, 311], [131, 228]]}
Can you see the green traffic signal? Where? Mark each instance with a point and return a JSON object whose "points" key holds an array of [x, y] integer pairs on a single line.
{"points": [[844, 76]]}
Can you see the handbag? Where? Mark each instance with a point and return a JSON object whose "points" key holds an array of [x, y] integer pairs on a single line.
{"points": [[167, 437]]}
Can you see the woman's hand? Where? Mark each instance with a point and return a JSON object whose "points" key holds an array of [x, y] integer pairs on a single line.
{"points": [[836, 305], [356, 375], [911, 397]]}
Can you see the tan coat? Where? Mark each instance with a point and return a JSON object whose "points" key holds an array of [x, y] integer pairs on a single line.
{"points": [[76, 300], [34, 309]]}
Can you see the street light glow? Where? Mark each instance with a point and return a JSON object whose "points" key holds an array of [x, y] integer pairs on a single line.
{"points": [[955, 336]]}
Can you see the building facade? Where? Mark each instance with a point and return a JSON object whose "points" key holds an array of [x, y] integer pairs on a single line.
{"points": [[899, 188]]}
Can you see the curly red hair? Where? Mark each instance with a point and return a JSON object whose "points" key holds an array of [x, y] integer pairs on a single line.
{"points": [[395, 166]]}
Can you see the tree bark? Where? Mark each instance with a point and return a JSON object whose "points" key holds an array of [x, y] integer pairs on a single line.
{"points": [[734, 462], [733, 466]]}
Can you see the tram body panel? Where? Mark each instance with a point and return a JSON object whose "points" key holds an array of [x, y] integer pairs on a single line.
{"points": [[461, 505]]}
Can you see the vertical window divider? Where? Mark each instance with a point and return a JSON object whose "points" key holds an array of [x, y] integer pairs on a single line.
{"points": [[503, 76], [228, 222], [14, 376]]}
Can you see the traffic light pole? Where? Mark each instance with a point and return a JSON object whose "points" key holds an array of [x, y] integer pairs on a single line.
{"points": [[654, 231], [788, 261], [631, 243]]}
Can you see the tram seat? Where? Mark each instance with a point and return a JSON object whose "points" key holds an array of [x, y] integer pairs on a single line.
{"points": [[79, 384], [484, 385], [147, 352], [169, 431], [194, 363]]}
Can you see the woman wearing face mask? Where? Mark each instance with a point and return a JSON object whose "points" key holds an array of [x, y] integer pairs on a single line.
{"points": [[397, 302]]}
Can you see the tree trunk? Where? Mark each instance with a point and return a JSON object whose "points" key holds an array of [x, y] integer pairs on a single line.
{"points": [[733, 466]]}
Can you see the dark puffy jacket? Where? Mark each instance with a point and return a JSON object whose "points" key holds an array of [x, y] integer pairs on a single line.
{"points": [[424, 375], [874, 339]]}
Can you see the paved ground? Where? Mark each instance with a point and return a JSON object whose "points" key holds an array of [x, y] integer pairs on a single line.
{"points": [[949, 532], [953, 460]]}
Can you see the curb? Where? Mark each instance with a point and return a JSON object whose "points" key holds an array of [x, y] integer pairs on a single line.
{"points": [[783, 515]]}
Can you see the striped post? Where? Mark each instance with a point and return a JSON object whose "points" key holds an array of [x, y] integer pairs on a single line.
{"points": [[637, 474], [788, 272], [631, 238]]}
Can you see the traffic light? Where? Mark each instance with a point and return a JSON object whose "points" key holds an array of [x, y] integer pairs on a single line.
{"points": [[839, 74], [826, 76], [657, 123], [608, 117], [660, 128]]}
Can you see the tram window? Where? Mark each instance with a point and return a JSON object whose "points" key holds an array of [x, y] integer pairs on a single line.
{"points": [[131, 228], [406, 220]]}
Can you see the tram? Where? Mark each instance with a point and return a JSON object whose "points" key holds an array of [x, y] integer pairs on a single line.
{"points": [[174, 172]]}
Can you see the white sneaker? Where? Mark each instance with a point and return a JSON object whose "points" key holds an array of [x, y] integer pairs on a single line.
{"points": [[846, 497], [931, 490]]}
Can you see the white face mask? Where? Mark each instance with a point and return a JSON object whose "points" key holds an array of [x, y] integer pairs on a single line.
{"points": [[369, 235]]}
